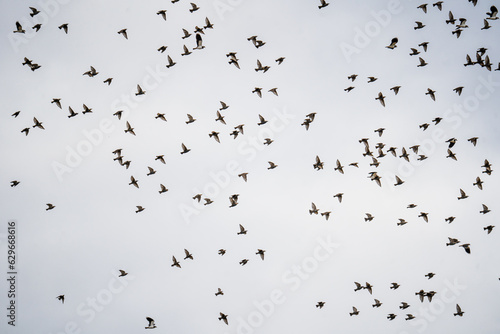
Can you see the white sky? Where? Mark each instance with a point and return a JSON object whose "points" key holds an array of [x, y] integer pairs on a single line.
{"points": [[77, 248]]}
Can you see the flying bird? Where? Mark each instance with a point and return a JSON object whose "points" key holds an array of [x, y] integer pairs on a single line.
{"points": [[123, 32]]}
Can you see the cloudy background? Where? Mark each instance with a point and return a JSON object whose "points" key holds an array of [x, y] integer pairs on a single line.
{"points": [[77, 248]]}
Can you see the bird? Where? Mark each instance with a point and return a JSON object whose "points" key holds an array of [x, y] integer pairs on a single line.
{"points": [[140, 91], [64, 26], [473, 140], [175, 263], [221, 252], [123, 32], [409, 316], [37, 124], [186, 51], [372, 79], [380, 131], [244, 176], [162, 48], [50, 206], [478, 183], [354, 311], [170, 62], [485, 209], [320, 305], [404, 305], [37, 26], [394, 286], [319, 164], [438, 4], [401, 222], [422, 62], [424, 45], [492, 15], [450, 219], [424, 215], [262, 120], [258, 91], [393, 44], [420, 25], [215, 135], [377, 303], [488, 228], [458, 90], [368, 287], [339, 196], [462, 195], [92, 72], [381, 98], [423, 7], [220, 118], [61, 298], [466, 247], [224, 106], [208, 24], [184, 149], [358, 286], [208, 201], [391, 316], [188, 255], [19, 28], [190, 119], [451, 19], [223, 317], [452, 241], [368, 217], [194, 7], [160, 158], [122, 273], [134, 182], [151, 171], [326, 214], [323, 4], [14, 183], [163, 14], [451, 155], [459, 311], [219, 292], [274, 91], [314, 209], [163, 189], [280, 60], [272, 165], [242, 230], [71, 113], [16, 114], [395, 89], [118, 114], [398, 181], [260, 252], [431, 92], [129, 129], [199, 43], [244, 261], [430, 294], [151, 323], [34, 11], [421, 294], [486, 25], [352, 77], [430, 275]]}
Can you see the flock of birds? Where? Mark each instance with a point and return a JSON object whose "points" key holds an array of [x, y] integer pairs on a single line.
{"points": [[376, 155]]}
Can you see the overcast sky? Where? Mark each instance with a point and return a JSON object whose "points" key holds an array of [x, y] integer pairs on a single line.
{"points": [[78, 248]]}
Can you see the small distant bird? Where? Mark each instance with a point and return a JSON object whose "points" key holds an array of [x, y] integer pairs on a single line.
{"points": [[64, 26], [423, 7], [372, 79], [61, 298], [478, 183], [409, 317], [380, 131], [358, 286], [208, 201], [401, 222], [244, 176], [129, 129], [431, 92], [258, 91], [188, 255], [162, 48], [450, 219], [163, 189], [14, 183], [260, 252], [86, 109], [184, 149], [395, 89], [175, 262], [424, 215], [451, 155], [398, 181], [381, 98], [485, 210], [194, 7], [391, 316], [221, 252], [262, 120], [430, 275], [280, 60], [462, 195], [199, 43], [133, 182], [163, 13], [272, 165], [466, 247], [151, 323], [394, 286], [404, 305], [219, 292], [437, 120], [124, 33], [118, 114], [19, 28], [424, 45], [208, 24], [140, 91], [420, 25], [326, 214], [320, 305], [244, 261], [37, 27], [122, 273], [368, 217], [91, 73], [108, 81], [459, 311], [452, 241], [190, 119], [438, 4], [223, 317], [170, 62], [354, 311], [458, 90], [274, 91], [493, 13], [377, 303], [319, 164], [16, 114], [323, 4], [220, 118], [314, 209], [242, 230], [49, 206], [422, 62], [393, 45], [339, 196], [489, 228]]}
